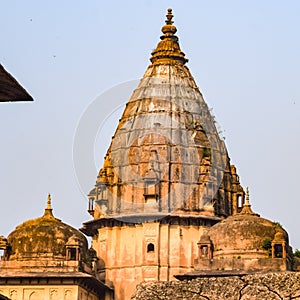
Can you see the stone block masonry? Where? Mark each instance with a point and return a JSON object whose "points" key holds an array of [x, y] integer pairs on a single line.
{"points": [[268, 286]]}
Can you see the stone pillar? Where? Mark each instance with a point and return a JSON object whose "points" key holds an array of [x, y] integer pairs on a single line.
{"points": [[283, 250], [273, 250]]}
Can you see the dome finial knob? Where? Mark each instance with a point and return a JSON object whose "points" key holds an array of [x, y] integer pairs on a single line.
{"points": [[169, 17], [168, 50], [169, 29], [48, 209], [247, 202], [246, 210], [49, 202]]}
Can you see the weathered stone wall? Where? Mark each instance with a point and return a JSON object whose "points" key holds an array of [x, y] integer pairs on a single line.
{"points": [[234, 263], [128, 262], [269, 286]]}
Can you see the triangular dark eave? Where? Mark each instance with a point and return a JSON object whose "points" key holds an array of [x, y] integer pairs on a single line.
{"points": [[10, 89]]}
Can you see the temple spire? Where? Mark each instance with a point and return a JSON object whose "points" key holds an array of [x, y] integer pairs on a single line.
{"points": [[168, 50]]}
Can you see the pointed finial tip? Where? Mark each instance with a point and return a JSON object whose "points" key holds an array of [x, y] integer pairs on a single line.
{"points": [[168, 50], [48, 210], [246, 210], [49, 201], [169, 17], [247, 196]]}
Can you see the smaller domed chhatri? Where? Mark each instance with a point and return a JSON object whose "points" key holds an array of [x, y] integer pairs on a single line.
{"points": [[244, 242], [46, 238], [50, 260]]}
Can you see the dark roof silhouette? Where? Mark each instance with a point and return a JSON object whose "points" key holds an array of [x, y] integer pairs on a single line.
{"points": [[3, 297], [10, 89]]}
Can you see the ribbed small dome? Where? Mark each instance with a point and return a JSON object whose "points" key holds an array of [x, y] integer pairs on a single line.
{"points": [[44, 237], [243, 234]]}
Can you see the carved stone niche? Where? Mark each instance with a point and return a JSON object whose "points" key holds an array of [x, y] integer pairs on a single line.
{"points": [[73, 249], [205, 247], [279, 245], [150, 250], [4, 246]]}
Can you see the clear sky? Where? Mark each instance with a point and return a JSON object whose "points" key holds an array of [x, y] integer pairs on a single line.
{"points": [[244, 56]]}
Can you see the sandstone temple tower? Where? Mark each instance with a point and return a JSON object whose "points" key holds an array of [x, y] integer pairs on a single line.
{"points": [[166, 177]]}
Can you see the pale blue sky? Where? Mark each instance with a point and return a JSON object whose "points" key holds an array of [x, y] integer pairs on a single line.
{"points": [[244, 56]]}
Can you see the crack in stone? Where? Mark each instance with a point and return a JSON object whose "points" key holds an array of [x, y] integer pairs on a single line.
{"points": [[197, 293], [244, 286], [274, 292]]}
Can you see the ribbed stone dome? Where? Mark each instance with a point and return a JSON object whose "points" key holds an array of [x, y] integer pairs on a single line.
{"points": [[244, 234], [45, 237]]}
